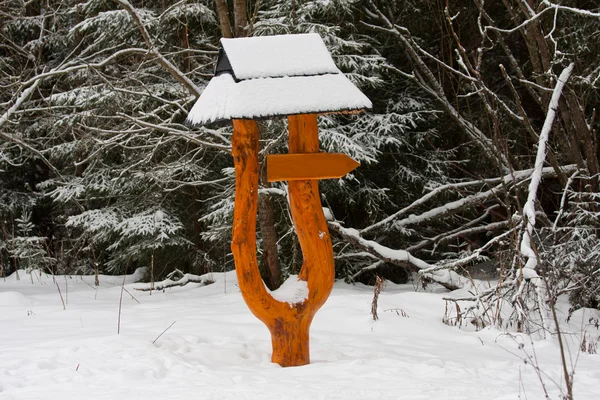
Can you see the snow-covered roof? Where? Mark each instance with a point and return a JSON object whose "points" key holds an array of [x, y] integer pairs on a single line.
{"points": [[268, 76], [277, 56]]}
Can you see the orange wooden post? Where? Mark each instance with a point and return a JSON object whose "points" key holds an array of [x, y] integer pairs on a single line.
{"points": [[289, 324], [305, 202]]}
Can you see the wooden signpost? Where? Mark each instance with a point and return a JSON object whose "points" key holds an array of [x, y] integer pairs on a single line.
{"points": [[288, 321]]}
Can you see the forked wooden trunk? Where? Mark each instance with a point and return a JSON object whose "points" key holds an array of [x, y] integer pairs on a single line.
{"points": [[289, 324]]}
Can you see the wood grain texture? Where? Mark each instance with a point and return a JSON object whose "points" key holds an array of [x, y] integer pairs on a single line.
{"points": [[289, 324], [307, 212]]}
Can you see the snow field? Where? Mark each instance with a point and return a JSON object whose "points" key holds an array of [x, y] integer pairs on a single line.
{"points": [[218, 350]]}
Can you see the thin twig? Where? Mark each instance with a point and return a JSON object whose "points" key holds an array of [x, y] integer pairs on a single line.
{"points": [[132, 296], [169, 327], [121, 304], [61, 296]]}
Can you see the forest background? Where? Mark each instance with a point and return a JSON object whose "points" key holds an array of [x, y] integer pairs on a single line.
{"points": [[100, 174]]}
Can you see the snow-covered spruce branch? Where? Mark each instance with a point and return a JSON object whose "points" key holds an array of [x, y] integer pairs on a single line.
{"points": [[175, 132], [11, 138], [147, 93], [71, 67], [426, 80], [449, 279], [32, 84], [22, 98], [152, 50]]}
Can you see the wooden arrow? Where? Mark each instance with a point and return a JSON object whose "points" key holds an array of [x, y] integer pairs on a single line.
{"points": [[308, 166]]}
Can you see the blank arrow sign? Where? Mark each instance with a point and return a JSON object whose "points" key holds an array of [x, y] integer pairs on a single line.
{"points": [[307, 166]]}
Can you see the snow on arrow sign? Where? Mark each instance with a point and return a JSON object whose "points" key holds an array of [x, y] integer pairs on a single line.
{"points": [[293, 76]]}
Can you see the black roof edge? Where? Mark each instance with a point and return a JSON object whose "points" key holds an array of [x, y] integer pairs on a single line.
{"points": [[223, 65]]}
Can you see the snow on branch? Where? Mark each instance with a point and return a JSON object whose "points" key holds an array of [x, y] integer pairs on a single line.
{"points": [[71, 67], [166, 64], [449, 279], [579, 11], [371, 267], [450, 208], [22, 97], [25, 94], [528, 271], [470, 228], [170, 282], [533, 16], [177, 132], [536, 175]]}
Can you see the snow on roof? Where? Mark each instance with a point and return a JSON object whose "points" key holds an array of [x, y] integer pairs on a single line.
{"points": [[280, 55], [224, 98], [275, 75]]}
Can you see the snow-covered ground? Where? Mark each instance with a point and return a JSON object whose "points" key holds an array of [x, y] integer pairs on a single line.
{"points": [[217, 350]]}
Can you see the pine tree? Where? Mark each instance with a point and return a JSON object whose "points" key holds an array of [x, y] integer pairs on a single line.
{"points": [[27, 249]]}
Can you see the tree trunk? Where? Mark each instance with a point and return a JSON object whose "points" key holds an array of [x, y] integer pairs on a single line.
{"points": [[240, 11], [290, 341], [223, 13], [185, 43], [268, 232]]}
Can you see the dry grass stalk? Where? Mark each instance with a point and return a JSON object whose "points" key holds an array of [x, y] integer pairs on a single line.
{"points": [[379, 283], [61, 296]]}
